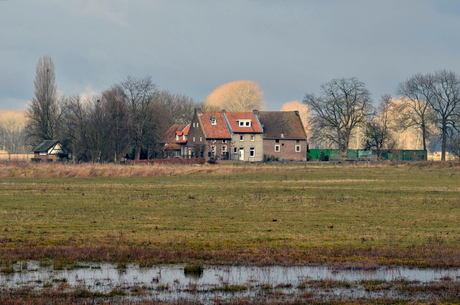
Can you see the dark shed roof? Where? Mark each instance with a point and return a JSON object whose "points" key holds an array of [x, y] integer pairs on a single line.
{"points": [[282, 124], [45, 146]]}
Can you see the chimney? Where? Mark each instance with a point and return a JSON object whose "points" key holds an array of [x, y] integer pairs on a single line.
{"points": [[223, 110], [255, 111], [297, 112]]}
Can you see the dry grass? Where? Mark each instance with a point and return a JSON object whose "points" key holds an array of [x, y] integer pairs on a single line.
{"points": [[61, 170]]}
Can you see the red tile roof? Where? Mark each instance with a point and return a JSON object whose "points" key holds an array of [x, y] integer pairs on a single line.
{"points": [[218, 131], [170, 134], [234, 117]]}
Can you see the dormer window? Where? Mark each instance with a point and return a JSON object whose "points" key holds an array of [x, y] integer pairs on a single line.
{"points": [[177, 137], [282, 135], [213, 120], [244, 123]]}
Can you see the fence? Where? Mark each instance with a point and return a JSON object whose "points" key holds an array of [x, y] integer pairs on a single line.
{"points": [[403, 155]]}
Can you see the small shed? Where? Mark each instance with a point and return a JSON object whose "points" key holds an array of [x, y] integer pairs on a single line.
{"points": [[48, 150]]}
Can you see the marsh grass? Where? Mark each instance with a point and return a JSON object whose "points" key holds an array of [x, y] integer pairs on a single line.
{"points": [[193, 269], [240, 214]]}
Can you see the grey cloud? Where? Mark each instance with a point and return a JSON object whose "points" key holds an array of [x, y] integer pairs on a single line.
{"points": [[289, 47]]}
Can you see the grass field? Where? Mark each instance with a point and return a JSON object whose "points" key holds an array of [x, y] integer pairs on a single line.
{"points": [[224, 214]]}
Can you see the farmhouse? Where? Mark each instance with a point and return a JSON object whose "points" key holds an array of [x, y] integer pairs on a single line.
{"points": [[175, 142], [246, 132], [209, 134], [48, 150], [284, 135]]}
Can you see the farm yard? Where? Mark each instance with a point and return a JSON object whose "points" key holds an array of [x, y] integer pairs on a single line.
{"points": [[231, 214]]}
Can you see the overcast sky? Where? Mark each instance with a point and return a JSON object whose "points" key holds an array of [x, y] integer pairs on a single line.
{"points": [[289, 47]]}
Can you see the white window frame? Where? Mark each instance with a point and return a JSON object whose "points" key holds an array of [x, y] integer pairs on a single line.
{"points": [[253, 138], [193, 139], [201, 139], [241, 138], [224, 141], [252, 152], [224, 148], [277, 148], [297, 148], [235, 150]]}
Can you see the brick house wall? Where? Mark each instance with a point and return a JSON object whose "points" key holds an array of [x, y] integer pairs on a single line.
{"points": [[287, 149], [196, 137]]}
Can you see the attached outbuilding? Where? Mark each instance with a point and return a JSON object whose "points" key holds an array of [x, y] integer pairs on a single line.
{"points": [[284, 135]]}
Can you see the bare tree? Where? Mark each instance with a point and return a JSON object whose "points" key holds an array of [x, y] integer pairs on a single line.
{"points": [[12, 131], [44, 110], [75, 129], [416, 111], [140, 95], [445, 102], [379, 130], [115, 107], [344, 105], [180, 107], [241, 95]]}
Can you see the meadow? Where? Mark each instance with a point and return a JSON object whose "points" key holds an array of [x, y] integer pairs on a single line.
{"points": [[232, 214]]}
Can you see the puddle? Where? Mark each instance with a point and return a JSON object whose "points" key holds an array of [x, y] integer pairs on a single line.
{"points": [[170, 283]]}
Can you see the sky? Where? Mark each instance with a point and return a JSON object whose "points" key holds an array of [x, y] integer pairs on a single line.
{"points": [[191, 46]]}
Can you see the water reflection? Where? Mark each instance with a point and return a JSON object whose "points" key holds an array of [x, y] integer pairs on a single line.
{"points": [[170, 282]]}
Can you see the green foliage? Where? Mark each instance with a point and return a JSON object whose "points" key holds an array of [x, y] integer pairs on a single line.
{"points": [[323, 156]]}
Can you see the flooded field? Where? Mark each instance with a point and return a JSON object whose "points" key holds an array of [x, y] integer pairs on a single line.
{"points": [[170, 283]]}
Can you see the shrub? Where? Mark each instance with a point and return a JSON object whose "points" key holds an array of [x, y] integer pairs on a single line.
{"points": [[323, 156]]}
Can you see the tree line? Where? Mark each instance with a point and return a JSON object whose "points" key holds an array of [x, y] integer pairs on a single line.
{"points": [[126, 120], [430, 103], [129, 118]]}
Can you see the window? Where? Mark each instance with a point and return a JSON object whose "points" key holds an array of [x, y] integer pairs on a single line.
{"points": [[193, 139], [277, 141], [282, 135], [277, 148], [213, 141], [235, 150], [201, 139], [193, 124], [244, 123], [213, 148], [224, 141], [224, 148], [252, 138], [252, 152], [241, 138], [297, 148], [177, 137], [213, 120]]}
